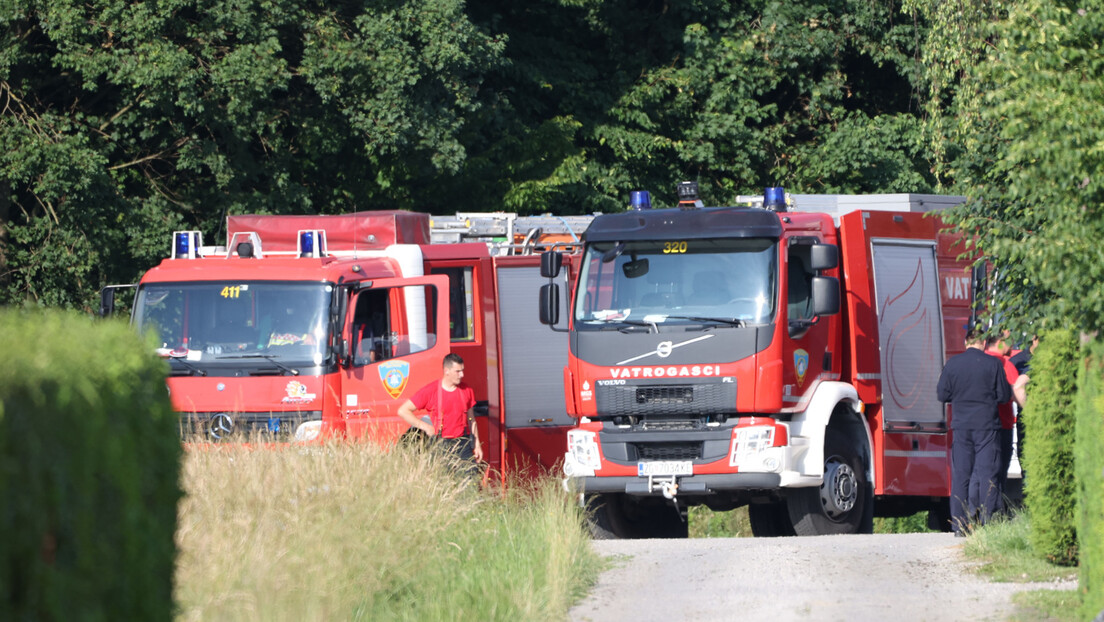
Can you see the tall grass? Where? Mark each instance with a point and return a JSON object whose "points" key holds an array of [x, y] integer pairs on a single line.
{"points": [[352, 531], [1004, 552]]}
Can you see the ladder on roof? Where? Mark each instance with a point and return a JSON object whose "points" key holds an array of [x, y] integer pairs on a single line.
{"points": [[509, 234]]}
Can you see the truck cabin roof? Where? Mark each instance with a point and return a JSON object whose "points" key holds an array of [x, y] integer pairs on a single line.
{"points": [[677, 224]]}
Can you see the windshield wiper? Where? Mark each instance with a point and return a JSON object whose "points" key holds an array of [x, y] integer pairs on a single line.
{"points": [[619, 324], [694, 318], [268, 357], [190, 369]]}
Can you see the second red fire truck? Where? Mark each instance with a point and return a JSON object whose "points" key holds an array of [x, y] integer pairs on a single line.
{"points": [[781, 355]]}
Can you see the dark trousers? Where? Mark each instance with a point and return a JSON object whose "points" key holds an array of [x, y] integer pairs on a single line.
{"points": [[975, 491], [462, 449]]}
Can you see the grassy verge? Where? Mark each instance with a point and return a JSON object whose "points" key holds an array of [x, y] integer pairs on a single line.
{"points": [[1003, 552], [705, 523], [354, 532]]}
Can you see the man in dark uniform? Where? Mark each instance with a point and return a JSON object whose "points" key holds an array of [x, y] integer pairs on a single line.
{"points": [[974, 383]]}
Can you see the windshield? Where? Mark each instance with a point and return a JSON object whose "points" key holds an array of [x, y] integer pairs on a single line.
{"points": [[727, 281], [274, 323]]}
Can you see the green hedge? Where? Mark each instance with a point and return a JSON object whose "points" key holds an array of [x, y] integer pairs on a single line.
{"points": [[89, 472], [1049, 485], [1090, 480]]}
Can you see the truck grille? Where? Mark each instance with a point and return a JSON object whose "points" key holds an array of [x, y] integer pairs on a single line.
{"points": [[675, 399], [227, 425], [664, 395], [668, 451]]}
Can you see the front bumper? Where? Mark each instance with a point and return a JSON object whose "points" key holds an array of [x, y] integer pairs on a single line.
{"points": [[687, 484]]}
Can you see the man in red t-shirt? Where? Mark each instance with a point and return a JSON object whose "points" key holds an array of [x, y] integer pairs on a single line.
{"points": [[449, 402], [1001, 348]]}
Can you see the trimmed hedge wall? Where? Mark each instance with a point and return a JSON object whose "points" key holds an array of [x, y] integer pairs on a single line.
{"points": [[89, 472], [1090, 480], [1050, 490]]}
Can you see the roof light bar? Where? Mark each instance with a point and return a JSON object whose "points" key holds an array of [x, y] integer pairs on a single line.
{"points": [[774, 198], [640, 200], [186, 244], [312, 243]]}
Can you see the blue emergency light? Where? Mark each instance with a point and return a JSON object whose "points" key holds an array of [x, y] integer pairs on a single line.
{"points": [[774, 198], [312, 243], [640, 200], [186, 244]]}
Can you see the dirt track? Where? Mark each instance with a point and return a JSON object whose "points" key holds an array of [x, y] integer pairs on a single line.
{"points": [[901, 578]]}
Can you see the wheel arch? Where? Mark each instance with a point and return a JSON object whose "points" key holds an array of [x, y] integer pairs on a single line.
{"points": [[836, 405]]}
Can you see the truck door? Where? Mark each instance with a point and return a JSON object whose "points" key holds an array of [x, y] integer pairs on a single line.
{"points": [[533, 359], [812, 349], [396, 336], [472, 336]]}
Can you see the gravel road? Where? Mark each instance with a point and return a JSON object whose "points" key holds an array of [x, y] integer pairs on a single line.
{"points": [[899, 577]]}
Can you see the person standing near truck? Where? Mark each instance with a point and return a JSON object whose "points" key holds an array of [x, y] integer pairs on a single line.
{"points": [[1000, 348], [974, 384], [450, 404]]}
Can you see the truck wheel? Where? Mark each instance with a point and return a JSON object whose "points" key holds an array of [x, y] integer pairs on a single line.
{"points": [[939, 516], [770, 520], [607, 521], [839, 505], [616, 516]]}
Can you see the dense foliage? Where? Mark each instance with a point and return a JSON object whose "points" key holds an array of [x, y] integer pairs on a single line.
{"points": [[123, 121], [1050, 489], [1023, 142], [89, 471], [1090, 480]]}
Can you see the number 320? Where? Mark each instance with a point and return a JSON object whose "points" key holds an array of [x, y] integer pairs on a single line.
{"points": [[674, 247]]}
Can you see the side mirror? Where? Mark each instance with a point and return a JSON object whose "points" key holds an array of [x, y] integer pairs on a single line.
{"points": [[550, 303], [823, 256], [107, 298], [343, 353], [826, 295], [107, 301], [551, 262]]}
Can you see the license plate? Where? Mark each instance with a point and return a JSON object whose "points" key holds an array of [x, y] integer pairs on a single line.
{"points": [[664, 467]]}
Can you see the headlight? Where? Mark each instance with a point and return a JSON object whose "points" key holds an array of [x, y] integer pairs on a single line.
{"points": [[308, 431], [582, 446], [750, 441]]}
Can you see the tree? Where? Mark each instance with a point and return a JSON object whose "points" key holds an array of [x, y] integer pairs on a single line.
{"points": [[1035, 185], [123, 121], [818, 96]]}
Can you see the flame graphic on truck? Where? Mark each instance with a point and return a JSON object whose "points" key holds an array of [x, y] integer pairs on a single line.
{"points": [[908, 370]]}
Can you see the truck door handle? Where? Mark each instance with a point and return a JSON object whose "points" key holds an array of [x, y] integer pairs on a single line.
{"points": [[545, 420]]}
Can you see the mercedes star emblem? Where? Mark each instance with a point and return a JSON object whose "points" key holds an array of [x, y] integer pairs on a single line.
{"points": [[220, 426]]}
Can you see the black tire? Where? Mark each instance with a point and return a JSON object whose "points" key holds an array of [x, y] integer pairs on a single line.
{"points": [[606, 520], [939, 516], [842, 503], [770, 520], [616, 516]]}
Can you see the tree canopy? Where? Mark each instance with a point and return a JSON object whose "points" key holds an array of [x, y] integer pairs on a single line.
{"points": [[124, 121], [1025, 143]]}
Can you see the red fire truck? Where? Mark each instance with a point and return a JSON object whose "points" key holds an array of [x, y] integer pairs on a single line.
{"points": [[302, 327], [781, 355]]}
